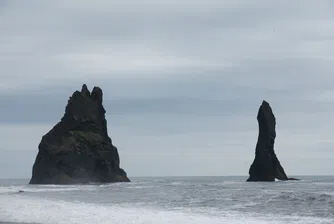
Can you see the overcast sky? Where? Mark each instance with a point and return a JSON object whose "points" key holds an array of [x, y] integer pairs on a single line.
{"points": [[182, 80]]}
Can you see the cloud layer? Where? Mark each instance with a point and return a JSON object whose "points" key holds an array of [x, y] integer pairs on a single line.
{"points": [[182, 79]]}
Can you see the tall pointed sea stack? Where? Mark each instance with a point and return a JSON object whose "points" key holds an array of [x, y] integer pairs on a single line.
{"points": [[78, 148], [266, 166]]}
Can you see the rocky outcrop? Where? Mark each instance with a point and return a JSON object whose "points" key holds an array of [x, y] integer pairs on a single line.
{"points": [[266, 166], [78, 148]]}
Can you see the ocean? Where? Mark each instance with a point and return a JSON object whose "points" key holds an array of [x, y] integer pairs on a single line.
{"points": [[177, 200]]}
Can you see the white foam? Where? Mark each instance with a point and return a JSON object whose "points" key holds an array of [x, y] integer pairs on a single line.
{"points": [[140, 187], [175, 183], [46, 188], [20, 208], [8, 189]]}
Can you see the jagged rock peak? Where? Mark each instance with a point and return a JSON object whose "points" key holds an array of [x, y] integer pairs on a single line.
{"points": [[97, 94], [84, 90], [84, 105]]}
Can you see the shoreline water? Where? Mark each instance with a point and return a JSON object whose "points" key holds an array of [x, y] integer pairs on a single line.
{"points": [[165, 200]]}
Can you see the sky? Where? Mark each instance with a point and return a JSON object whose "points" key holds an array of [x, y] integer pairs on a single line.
{"points": [[182, 80]]}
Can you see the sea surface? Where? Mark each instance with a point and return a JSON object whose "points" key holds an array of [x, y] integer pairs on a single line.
{"points": [[177, 200]]}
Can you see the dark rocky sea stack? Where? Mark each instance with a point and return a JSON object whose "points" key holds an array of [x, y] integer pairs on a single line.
{"points": [[266, 166], [78, 149]]}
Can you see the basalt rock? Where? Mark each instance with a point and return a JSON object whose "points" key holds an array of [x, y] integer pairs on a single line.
{"points": [[266, 166], [78, 149]]}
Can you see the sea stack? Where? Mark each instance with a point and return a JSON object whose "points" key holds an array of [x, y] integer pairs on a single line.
{"points": [[266, 166], [78, 149]]}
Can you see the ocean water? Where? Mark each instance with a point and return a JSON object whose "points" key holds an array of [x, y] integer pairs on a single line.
{"points": [[179, 200]]}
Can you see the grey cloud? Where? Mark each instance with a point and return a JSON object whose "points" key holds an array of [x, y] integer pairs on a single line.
{"points": [[188, 73], [199, 98], [229, 33]]}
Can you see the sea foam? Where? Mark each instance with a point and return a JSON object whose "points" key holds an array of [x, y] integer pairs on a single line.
{"points": [[21, 208]]}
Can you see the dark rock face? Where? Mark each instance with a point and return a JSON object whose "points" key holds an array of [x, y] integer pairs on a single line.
{"points": [[78, 148], [266, 166]]}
